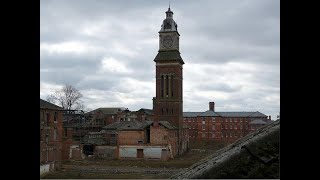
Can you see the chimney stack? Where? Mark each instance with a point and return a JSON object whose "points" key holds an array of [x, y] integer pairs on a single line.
{"points": [[211, 106]]}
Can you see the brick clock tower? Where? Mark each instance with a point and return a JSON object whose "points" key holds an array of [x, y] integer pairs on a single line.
{"points": [[168, 101]]}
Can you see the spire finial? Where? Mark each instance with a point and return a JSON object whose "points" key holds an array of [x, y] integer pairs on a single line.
{"points": [[169, 5]]}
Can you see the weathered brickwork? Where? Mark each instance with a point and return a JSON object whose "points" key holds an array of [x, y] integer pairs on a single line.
{"points": [[168, 103], [131, 137], [52, 147]]}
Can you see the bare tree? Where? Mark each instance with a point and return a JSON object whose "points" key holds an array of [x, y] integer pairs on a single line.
{"points": [[51, 98], [68, 97]]}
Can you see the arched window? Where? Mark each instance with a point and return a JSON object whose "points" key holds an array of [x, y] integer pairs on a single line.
{"points": [[55, 116], [171, 85], [161, 86], [167, 85]]}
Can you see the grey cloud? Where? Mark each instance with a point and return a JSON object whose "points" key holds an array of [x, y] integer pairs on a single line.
{"points": [[212, 33]]}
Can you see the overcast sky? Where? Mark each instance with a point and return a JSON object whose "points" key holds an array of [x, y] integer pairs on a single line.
{"points": [[106, 48]]}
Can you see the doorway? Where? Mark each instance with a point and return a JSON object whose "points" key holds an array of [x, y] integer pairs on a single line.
{"points": [[139, 153]]}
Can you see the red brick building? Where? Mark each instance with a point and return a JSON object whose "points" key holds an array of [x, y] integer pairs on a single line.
{"points": [[135, 139], [54, 141], [168, 103], [212, 126], [144, 115]]}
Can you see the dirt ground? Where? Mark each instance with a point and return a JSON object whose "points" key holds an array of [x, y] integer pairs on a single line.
{"points": [[130, 169]]}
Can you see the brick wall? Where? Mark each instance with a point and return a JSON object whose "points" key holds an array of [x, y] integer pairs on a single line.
{"points": [[131, 137], [159, 135], [51, 133], [226, 129]]}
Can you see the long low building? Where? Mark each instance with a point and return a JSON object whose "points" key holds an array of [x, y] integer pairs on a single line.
{"points": [[212, 126]]}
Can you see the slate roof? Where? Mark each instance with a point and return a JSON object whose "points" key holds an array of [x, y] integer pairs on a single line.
{"points": [[257, 114], [128, 125], [209, 113], [168, 56], [46, 105], [224, 114], [147, 111], [258, 121], [241, 114], [191, 114]]}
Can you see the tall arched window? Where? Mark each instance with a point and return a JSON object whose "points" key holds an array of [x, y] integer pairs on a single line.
{"points": [[167, 85], [171, 85], [161, 86]]}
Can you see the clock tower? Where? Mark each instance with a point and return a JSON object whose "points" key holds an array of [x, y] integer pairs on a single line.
{"points": [[168, 104]]}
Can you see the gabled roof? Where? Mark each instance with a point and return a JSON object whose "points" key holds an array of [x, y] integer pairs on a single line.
{"points": [[191, 114], [258, 121], [147, 111], [46, 105], [209, 113], [128, 125]]}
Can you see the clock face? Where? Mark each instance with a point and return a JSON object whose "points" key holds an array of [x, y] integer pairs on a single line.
{"points": [[167, 41]]}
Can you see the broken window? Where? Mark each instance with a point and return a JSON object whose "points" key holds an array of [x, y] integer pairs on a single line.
{"points": [[148, 134], [55, 116], [48, 118]]}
